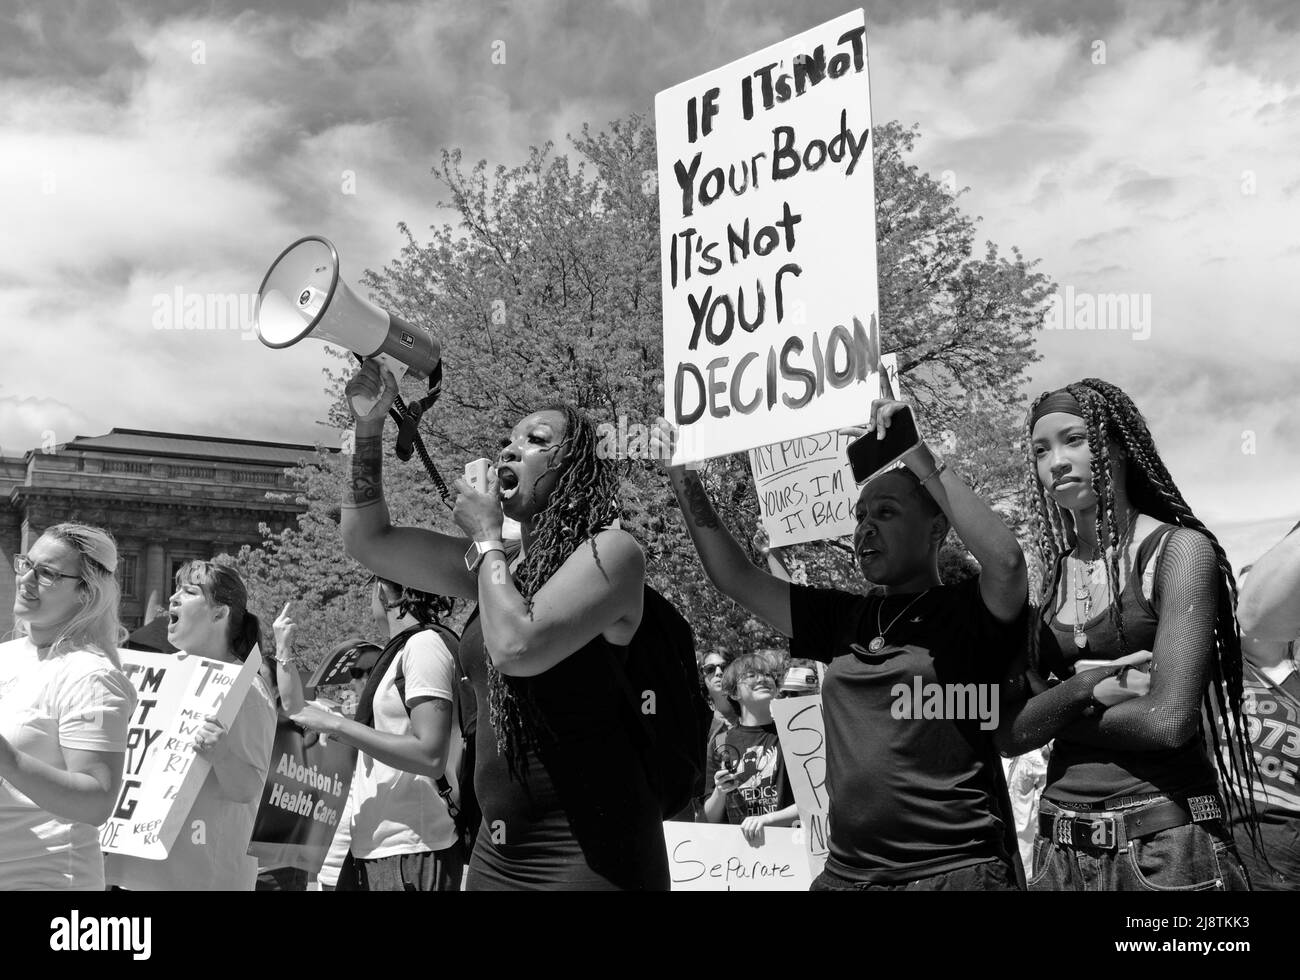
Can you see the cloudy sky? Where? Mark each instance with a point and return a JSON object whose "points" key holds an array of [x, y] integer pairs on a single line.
{"points": [[1146, 149]]}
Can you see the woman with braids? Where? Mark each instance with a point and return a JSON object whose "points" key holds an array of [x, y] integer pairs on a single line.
{"points": [[566, 800], [1130, 578], [208, 616], [64, 710]]}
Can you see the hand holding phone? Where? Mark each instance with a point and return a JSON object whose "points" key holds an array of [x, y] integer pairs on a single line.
{"points": [[890, 435]]}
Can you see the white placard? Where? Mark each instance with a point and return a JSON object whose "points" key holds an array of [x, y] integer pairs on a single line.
{"points": [[802, 733], [715, 857], [805, 487], [767, 228]]}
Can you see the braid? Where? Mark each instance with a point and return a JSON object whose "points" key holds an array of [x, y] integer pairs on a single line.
{"points": [[583, 501], [1106, 527], [1153, 491]]}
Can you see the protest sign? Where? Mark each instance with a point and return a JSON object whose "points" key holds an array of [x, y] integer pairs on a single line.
{"points": [[162, 774], [767, 232], [304, 798], [805, 487], [715, 857], [336, 668], [802, 733]]}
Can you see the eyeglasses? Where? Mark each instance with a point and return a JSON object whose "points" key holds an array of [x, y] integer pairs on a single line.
{"points": [[711, 669], [46, 577], [753, 675]]}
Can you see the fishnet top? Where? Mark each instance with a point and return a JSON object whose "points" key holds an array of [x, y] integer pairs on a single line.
{"points": [[1147, 743]]}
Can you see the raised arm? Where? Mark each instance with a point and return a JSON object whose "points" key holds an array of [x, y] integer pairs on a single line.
{"points": [[415, 557], [1004, 579], [1269, 608], [724, 560], [287, 681]]}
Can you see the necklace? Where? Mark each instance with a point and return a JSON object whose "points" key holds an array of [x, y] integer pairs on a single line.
{"points": [[875, 645]]}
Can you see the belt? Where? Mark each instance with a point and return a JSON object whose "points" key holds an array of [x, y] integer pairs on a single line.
{"points": [[1101, 831]]}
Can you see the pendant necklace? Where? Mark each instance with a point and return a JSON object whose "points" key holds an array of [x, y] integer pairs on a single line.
{"points": [[1083, 594], [878, 643]]}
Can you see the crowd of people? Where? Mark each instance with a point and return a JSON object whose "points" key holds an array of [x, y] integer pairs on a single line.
{"points": [[1151, 715]]}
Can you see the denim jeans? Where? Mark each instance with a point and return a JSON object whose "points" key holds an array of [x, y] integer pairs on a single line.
{"points": [[1193, 857], [996, 875]]}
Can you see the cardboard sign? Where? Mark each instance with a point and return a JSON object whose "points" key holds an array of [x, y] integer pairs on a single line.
{"points": [[303, 800], [767, 231], [715, 857], [802, 733], [162, 774], [805, 487]]}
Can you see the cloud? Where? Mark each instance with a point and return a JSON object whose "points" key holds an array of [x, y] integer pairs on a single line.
{"points": [[134, 166]]}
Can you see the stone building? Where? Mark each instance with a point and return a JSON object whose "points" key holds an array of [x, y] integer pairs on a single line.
{"points": [[166, 497]]}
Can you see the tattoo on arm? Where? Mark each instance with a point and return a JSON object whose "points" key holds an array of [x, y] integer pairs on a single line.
{"points": [[702, 513], [366, 485]]}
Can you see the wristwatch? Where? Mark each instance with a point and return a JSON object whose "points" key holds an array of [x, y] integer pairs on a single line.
{"points": [[478, 551]]}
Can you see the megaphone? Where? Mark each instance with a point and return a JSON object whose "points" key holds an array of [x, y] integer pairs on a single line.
{"points": [[303, 296]]}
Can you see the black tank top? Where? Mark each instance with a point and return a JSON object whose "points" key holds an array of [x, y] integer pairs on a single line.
{"points": [[1079, 773], [582, 816]]}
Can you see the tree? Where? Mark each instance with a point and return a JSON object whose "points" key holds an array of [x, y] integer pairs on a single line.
{"points": [[550, 289]]}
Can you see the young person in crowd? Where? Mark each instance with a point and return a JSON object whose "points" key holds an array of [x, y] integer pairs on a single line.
{"points": [[209, 617], [401, 835], [1130, 577], [1269, 613], [746, 781], [915, 802], [566, 798], [65, 706]]}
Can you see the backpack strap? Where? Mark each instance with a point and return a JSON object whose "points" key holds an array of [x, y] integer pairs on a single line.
{"points": [[365, 713]]}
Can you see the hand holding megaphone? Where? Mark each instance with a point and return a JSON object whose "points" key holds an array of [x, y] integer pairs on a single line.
{"points": [[370, 392]]}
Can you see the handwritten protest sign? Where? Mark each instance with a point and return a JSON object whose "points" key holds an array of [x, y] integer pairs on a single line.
{"points": [[805, 487], [767, 232], [163, 774], [715, 857], [802, 732], [303, 800]]}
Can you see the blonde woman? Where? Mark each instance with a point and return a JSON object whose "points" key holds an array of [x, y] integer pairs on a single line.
{"points": [[64, 710]]}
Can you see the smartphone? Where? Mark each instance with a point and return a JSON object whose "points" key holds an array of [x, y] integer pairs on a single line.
{"points": [[869, 455], [1081, 665]]}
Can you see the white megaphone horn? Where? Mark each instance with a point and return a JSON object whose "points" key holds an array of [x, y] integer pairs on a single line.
{"points": [[303, 296]]}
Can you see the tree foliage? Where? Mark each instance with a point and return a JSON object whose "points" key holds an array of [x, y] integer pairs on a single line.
{"points": [[548, 287]]}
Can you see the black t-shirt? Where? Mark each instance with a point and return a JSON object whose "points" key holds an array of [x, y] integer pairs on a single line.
{"points": [[753, 753], [911, 794]]}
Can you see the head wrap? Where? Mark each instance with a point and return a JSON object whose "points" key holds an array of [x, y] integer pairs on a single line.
{"points": [[1057, 401]]}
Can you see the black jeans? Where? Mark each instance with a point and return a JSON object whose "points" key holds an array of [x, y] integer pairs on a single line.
{"points": [[996, 875]]}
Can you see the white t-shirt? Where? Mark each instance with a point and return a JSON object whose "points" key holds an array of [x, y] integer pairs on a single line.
{"points": [[397, 812], [75, 699], [211, 850]]}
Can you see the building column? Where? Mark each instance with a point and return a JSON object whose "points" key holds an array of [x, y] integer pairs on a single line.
{"points": [[155, 573]]}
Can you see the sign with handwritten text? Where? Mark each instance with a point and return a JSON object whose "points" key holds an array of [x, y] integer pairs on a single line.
{"points": [[802, 733], [162, 774], [805, 487], [715, 857], [768, 241]]}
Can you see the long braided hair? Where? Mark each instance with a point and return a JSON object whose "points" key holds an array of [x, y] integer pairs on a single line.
{"points": [[1111, 417], [583, 501]]}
